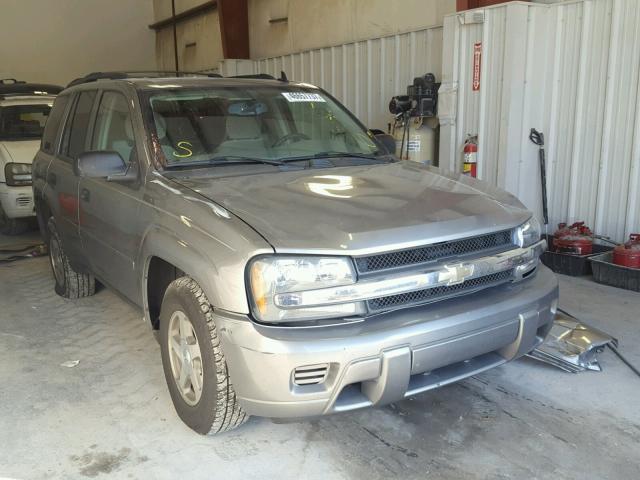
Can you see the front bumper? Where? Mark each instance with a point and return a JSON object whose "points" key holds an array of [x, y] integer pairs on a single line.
{"points": [[387, 357], [17, 201]]}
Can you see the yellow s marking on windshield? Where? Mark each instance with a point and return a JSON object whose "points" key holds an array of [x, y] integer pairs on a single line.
{"points": [[187, 152]]}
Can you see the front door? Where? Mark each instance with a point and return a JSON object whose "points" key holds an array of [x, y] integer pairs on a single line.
{"points": [[109, 229]]}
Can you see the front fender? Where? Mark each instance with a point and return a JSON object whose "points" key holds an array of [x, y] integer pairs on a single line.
{"points": [[217, 267]]}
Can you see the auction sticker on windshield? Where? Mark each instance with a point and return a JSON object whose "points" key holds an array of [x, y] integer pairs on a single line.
{"points": [[302, 97]]}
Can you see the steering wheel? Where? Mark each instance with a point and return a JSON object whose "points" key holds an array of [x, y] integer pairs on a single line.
{"points": [[291, 137]]}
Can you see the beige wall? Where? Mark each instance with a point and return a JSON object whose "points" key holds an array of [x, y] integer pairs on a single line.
{"points": [[57, 41], [311, 24], [199, 43], [322, 23], [162, 8]]}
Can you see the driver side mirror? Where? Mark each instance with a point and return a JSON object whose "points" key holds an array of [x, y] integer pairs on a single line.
{"points": [[386, 140], [104, 164]]}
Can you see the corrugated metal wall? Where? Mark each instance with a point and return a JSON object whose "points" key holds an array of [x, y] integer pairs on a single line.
{"points": [[570, 70], [365, 75]]}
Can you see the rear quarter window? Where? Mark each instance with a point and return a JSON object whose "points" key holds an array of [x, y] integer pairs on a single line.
{"points": [[52, 126]]}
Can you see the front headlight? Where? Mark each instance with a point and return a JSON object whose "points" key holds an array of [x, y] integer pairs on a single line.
{"points": [[283, 275], [528, 233], [17, 174]]}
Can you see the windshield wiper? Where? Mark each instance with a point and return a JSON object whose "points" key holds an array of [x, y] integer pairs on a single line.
{"points": [[332, 154], [225, 160]]}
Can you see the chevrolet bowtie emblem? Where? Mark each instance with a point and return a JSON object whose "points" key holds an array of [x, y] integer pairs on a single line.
{"points": [[456, 274]]}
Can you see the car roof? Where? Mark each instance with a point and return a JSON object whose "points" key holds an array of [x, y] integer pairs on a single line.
{"points": [[150, 83], [203, 81]]}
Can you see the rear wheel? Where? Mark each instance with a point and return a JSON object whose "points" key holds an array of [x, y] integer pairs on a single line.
{"points": [[193, 362], [69, 283], [12, 226]]}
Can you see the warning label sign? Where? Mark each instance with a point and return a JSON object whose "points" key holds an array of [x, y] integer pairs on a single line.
{"points": [[477, 58]]}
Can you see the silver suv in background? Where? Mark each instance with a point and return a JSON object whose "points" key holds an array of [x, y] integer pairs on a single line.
{"points": [[289, 264], [24, 108]]}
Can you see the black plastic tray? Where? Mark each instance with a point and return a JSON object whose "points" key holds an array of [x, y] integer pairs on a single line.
{"points": [[608, 273], [568, 264]]}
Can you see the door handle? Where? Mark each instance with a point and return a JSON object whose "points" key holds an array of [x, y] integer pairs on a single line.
{"points": [[85, 195]]}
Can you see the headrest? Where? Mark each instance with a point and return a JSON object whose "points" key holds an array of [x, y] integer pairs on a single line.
{"points": [[214, 130]]}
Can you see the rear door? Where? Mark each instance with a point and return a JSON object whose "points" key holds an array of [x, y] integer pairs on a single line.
{"points": [[49, 147], [62, 182], [109, 226]]}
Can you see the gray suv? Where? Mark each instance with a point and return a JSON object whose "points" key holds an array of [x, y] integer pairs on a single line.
{"points": [[288, 263]]}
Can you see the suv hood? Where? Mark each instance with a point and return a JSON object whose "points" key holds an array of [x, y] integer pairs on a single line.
{"points": [[19, 151], [362, 209]]}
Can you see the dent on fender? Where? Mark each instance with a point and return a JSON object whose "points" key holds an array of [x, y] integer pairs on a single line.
{"points": [[164, 184], [217, 209]]}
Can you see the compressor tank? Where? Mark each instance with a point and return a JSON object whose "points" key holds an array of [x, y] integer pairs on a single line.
{"points": [[419, 141]]}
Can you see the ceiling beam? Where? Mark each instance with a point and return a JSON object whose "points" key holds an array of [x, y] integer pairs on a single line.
{"points": [[234, 28]]}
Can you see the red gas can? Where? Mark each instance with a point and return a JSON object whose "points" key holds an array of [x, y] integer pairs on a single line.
{"points": [[576, 239], [628, 255]]}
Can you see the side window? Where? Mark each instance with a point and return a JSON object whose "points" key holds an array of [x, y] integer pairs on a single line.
{"points": [[77, 135], [53, 123], [113, 128]]}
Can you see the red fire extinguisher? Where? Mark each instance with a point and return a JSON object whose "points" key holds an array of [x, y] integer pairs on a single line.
{"points": [[470, 156]]}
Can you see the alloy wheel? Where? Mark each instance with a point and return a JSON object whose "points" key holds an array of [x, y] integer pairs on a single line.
{"points": [[185, 358]]}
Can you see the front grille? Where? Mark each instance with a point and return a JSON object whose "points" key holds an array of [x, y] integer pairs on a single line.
{"points": [[436, 251], [438, 293], [311, 374]]}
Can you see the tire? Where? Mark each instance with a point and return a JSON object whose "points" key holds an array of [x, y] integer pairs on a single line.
{"points": [[12, 226], [216, 408], [69, 283]]}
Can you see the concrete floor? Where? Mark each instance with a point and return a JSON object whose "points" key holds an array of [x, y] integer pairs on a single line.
{"points": [[111, 415]]}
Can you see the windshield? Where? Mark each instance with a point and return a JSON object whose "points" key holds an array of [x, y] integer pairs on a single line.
{"points": [[257, 122], [19, 122]]}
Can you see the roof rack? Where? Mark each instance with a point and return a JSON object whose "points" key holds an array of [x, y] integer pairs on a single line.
{"points": [[263, 76], [95, 76], [13, 87], [258, 76]]}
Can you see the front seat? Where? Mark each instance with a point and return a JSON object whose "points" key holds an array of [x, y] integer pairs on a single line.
{"points": [[244, 136]]}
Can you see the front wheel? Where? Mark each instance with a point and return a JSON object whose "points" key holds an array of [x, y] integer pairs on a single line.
{"points": [[193, 362]]}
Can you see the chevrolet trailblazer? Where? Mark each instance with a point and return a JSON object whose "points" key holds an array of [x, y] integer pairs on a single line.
{"points": [[290, 265]]}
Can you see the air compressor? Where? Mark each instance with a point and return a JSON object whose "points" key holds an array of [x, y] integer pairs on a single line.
{"points": [[415, 123]]}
